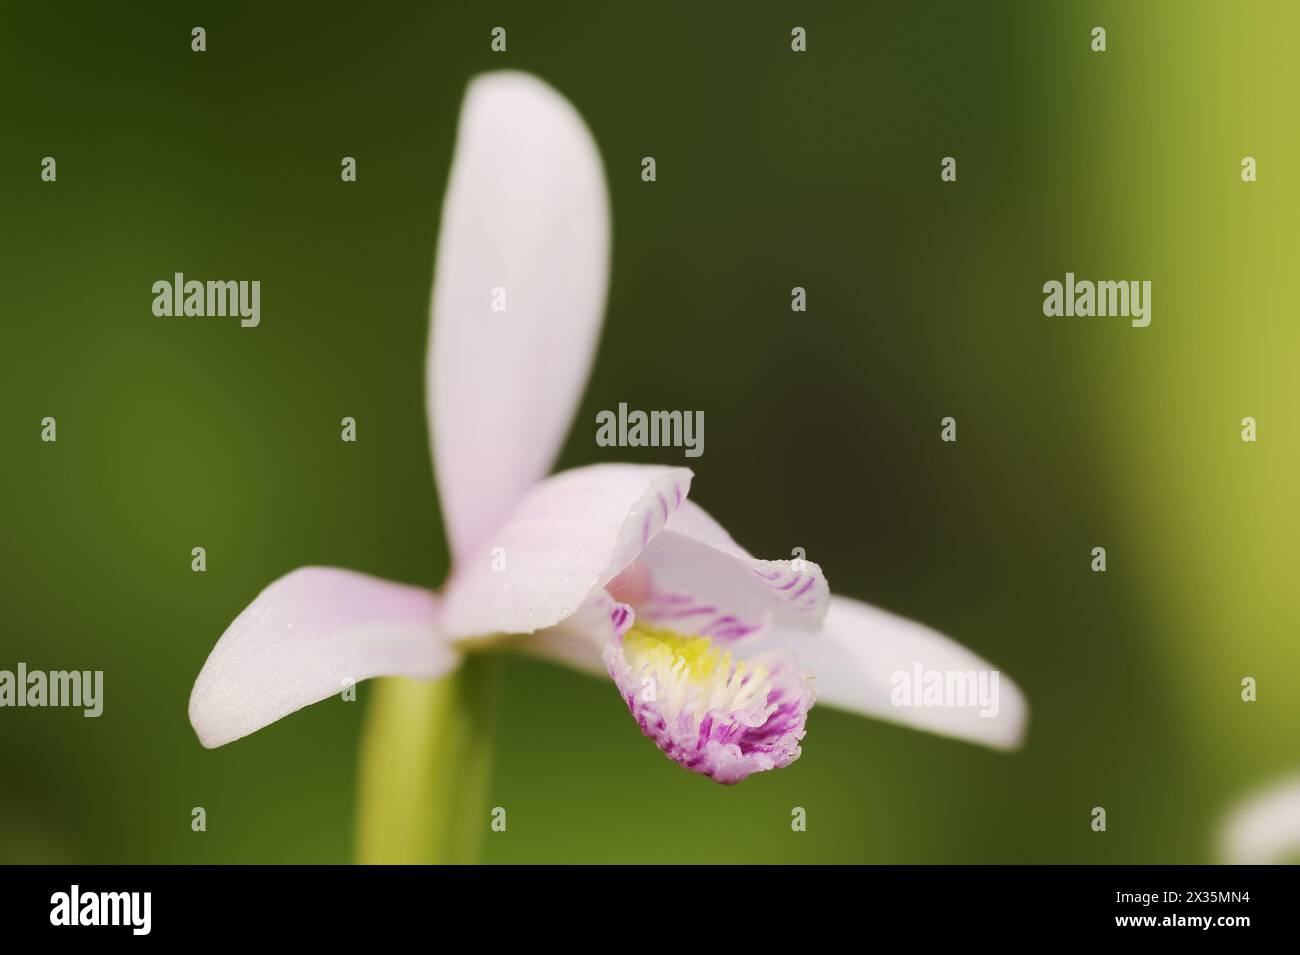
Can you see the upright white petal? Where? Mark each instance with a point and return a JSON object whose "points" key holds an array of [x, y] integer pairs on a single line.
{"points": [[525, 224], [878, 664], [306, 637]]}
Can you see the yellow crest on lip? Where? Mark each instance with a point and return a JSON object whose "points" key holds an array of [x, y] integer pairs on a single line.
{"points": [[688, 672], [658, 647]]}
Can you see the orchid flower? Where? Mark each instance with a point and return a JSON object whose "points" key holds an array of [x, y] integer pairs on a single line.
{"points": [[610, 568]]}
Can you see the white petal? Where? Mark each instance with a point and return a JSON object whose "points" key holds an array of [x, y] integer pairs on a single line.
{"points": [[563, 541], [696, 556], [579, 641], [868, 661], [527, 212], [1265, 828], [303, 639]]}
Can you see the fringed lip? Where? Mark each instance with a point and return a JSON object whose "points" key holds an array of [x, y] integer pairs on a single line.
{"points": [[714, 714]]}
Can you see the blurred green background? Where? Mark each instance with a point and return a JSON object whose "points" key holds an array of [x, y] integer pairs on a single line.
{"points": [[775, 169]]}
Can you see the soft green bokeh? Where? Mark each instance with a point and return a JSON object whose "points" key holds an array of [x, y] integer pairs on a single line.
{"points": [[775, 170]]}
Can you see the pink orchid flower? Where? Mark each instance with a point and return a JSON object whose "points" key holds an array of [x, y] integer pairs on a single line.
{"points": [[609, 568]]}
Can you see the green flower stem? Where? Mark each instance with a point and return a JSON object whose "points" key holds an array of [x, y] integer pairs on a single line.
{"points": [[426, 754]]}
